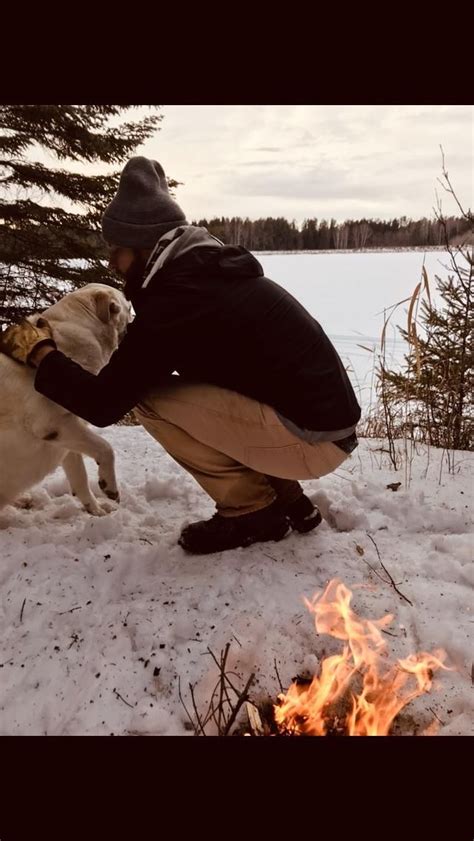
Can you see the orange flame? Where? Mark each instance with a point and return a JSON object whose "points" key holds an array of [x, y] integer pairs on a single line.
{"points": [[329, 702]]}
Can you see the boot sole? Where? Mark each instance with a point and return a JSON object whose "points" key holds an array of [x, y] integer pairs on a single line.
{"points": [[275, 535]]}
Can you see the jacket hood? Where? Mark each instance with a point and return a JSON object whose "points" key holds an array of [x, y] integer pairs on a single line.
{"points": [[193, 249]]}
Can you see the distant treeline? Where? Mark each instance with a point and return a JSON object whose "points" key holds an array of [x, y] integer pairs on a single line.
{"points": [[280, 235]]}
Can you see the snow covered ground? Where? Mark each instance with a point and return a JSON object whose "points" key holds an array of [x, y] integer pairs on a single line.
{"points": [[101, 617]]}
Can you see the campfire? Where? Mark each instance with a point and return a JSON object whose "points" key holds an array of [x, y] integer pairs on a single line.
{"points": [[357, 692]]}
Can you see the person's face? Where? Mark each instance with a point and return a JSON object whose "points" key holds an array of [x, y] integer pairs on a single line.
{"points": [[130, 263], [120, 259]]}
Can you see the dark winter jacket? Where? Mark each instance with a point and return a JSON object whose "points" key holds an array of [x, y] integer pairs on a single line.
{"points": [[211, 315]]}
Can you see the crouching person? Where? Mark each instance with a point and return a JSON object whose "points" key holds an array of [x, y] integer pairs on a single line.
{"points": [[225, 369]]}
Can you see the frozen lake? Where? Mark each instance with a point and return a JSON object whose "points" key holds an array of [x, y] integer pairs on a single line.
{"points": [[348, 292]]}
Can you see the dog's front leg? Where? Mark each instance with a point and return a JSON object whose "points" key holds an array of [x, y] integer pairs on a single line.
{"points": [[74, 435], [74, 468]]}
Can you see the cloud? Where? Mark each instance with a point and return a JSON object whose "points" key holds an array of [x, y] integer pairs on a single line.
{"points": [[300, 160], [267, 149], [305, 182]]}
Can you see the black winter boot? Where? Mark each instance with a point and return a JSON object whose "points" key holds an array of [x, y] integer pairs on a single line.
{"points": [[299, 509], [302, 514], [221, 533]]}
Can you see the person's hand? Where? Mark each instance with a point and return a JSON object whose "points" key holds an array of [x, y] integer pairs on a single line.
{"points": [[20, 341]]}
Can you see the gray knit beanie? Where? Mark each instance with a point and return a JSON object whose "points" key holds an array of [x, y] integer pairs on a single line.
{"points": [[142, 209]]}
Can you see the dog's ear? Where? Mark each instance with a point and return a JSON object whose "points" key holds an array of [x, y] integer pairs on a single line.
{"points": [[105, 306]]}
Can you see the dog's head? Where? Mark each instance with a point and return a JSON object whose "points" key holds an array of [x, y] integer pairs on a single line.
{"points": [[109, 306], [112, 308], [88, 324]]}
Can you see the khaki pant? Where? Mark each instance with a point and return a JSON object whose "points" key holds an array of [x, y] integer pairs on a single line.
{"points": [[233, 446]]}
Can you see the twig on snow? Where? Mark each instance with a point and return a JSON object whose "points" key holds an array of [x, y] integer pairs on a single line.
{"points": [[22, 609], [221, 709], [122, 699], [243, 697], [219, 667], [198, 718], [376, 572], [79, 607], [222, 684], [278, 676], [436, 716], [74, 638], [392, 582], [184, 705]]}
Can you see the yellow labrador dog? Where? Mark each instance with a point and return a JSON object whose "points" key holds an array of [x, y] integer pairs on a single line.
{"points": [[37, 435]]}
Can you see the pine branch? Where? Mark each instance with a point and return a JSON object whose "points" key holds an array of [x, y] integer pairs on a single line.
{"points": [[77, 187], [47, 249]]}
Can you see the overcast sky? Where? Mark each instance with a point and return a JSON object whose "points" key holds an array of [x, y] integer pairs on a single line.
{"points": [[324, 161]]}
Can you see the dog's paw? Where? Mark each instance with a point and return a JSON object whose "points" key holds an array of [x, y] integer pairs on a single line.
{"points": [[112, 494], [107, 508], [99, 509]]}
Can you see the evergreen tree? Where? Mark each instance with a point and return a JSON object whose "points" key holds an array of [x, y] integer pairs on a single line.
{"points": [[437, 383], [278, 234], [50, 216]]}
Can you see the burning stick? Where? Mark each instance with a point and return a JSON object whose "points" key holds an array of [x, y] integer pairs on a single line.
{"points": [[255, 722]]}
